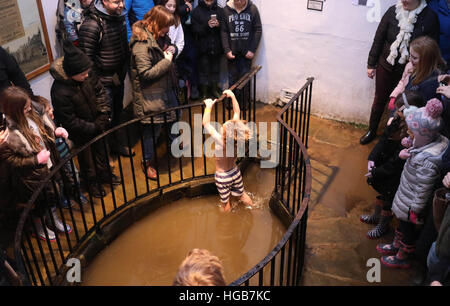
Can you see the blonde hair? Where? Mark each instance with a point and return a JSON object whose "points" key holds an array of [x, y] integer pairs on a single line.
{"points": [[430, 58], [200, 268], [154, 21], [237, 130]]}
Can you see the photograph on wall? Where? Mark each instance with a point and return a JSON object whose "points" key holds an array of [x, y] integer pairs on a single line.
{"points": [[24, 35]]}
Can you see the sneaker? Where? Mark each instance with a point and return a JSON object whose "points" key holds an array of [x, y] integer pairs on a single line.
{"points": [[41, 230], [394, 262], [387, 249], [59, 226], [81, 199], [149, 171]]}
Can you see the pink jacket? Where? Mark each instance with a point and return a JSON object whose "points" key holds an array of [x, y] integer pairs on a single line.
{"points": [[409, 69]]}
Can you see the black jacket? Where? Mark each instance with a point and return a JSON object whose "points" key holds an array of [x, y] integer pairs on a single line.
{"points": [[208, 39], [240, 32], [103, 38], [81, 108], [10, 72], [427, 24]]}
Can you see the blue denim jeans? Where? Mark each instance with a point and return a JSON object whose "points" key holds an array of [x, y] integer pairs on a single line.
{"points": [[149, 141], [237, 68]]}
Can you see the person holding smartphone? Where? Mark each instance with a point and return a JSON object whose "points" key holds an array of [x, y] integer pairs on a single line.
{"points": [[206, 28]]}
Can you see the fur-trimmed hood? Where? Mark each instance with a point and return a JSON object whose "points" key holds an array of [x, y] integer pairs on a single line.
{"points": [[58, 73]]}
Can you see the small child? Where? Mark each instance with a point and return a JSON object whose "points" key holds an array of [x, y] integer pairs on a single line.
{"points": [[200, 268], [385, 166], [228, 176], [420, 173]]}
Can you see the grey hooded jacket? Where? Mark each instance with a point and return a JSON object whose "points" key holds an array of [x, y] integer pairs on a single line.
{"points": [[419, 175]]}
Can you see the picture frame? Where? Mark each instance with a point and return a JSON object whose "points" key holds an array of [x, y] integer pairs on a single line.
{"points": [[24, 35], [315, 5]]}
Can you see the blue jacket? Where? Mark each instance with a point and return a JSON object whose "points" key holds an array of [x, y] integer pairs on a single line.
{"points": [[136, 11], [440, 7]]}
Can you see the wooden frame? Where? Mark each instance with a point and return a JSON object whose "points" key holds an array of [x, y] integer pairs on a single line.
{"points": [[315, 5], [25, 35]]}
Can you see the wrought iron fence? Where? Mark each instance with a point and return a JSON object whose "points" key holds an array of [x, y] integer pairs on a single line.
{"points": [[290, 198], [41, 262]]}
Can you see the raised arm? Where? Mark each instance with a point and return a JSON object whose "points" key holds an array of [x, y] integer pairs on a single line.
{"points": [[236, 109], [209, 103]]}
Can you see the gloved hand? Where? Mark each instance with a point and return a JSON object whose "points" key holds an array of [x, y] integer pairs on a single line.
{"points": [[43, 156], [61, 132], [391, 105], [413, 217], [404, 154]]}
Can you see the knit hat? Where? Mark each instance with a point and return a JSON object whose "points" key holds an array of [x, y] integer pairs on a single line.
{"points": [[75, 61], [426, 122]]}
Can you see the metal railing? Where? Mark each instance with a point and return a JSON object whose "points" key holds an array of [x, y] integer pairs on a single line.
{"points": [[41, 262], [290, 198]]}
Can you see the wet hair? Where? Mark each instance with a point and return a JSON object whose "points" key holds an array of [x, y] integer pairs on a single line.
{"points": [[430, 58], [175, 14], [413, 98], [154, 21], [200, 268], [236, 131], [13, 100]]}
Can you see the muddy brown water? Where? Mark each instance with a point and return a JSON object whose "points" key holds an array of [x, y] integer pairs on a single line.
{"points": [[150, 251]]}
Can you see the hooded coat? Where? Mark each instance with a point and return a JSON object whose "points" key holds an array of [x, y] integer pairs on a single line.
{"points": [[240, 32], [419, 175], [208, 39], [103, 38], [81, 108], [151, 77]]}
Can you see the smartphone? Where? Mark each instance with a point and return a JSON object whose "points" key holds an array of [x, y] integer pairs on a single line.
{"points": [[3, 122], [214, 17]]}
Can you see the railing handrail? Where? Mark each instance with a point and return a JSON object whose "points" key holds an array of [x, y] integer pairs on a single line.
{"points": [[308, 187], [75, 152]]}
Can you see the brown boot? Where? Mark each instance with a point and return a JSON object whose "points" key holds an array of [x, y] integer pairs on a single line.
{"points": [[148, 170]]}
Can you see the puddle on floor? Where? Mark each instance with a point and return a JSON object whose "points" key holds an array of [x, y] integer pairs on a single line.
{"points": [[150, 251]]}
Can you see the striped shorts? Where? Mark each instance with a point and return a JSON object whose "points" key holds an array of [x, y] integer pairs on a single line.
{"points": [[229, 182]]}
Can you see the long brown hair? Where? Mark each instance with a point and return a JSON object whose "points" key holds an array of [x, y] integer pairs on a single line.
{"points": [[430, 58], [13, 100], [154, 21], [175, 14]]}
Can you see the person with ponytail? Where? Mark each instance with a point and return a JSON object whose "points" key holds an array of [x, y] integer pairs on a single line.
{"points": [[31, 153], [401, 24]]}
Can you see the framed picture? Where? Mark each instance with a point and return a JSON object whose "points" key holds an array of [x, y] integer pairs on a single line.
{"points": [[24, 35], [315, 5]]}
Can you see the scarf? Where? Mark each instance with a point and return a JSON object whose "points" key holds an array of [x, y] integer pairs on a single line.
{"points": [[406, 21]]}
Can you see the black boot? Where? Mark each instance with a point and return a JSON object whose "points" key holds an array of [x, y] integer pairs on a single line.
{"points": [[375, 117]]}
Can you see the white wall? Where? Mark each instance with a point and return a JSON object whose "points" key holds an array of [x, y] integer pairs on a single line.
{"points": [[332, 46]]}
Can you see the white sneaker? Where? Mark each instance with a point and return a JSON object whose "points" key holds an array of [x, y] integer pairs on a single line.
{"points": [[59, 225], [40, 230]]}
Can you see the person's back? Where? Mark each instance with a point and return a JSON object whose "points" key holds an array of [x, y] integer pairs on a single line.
{"points": [[136, 10]]}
